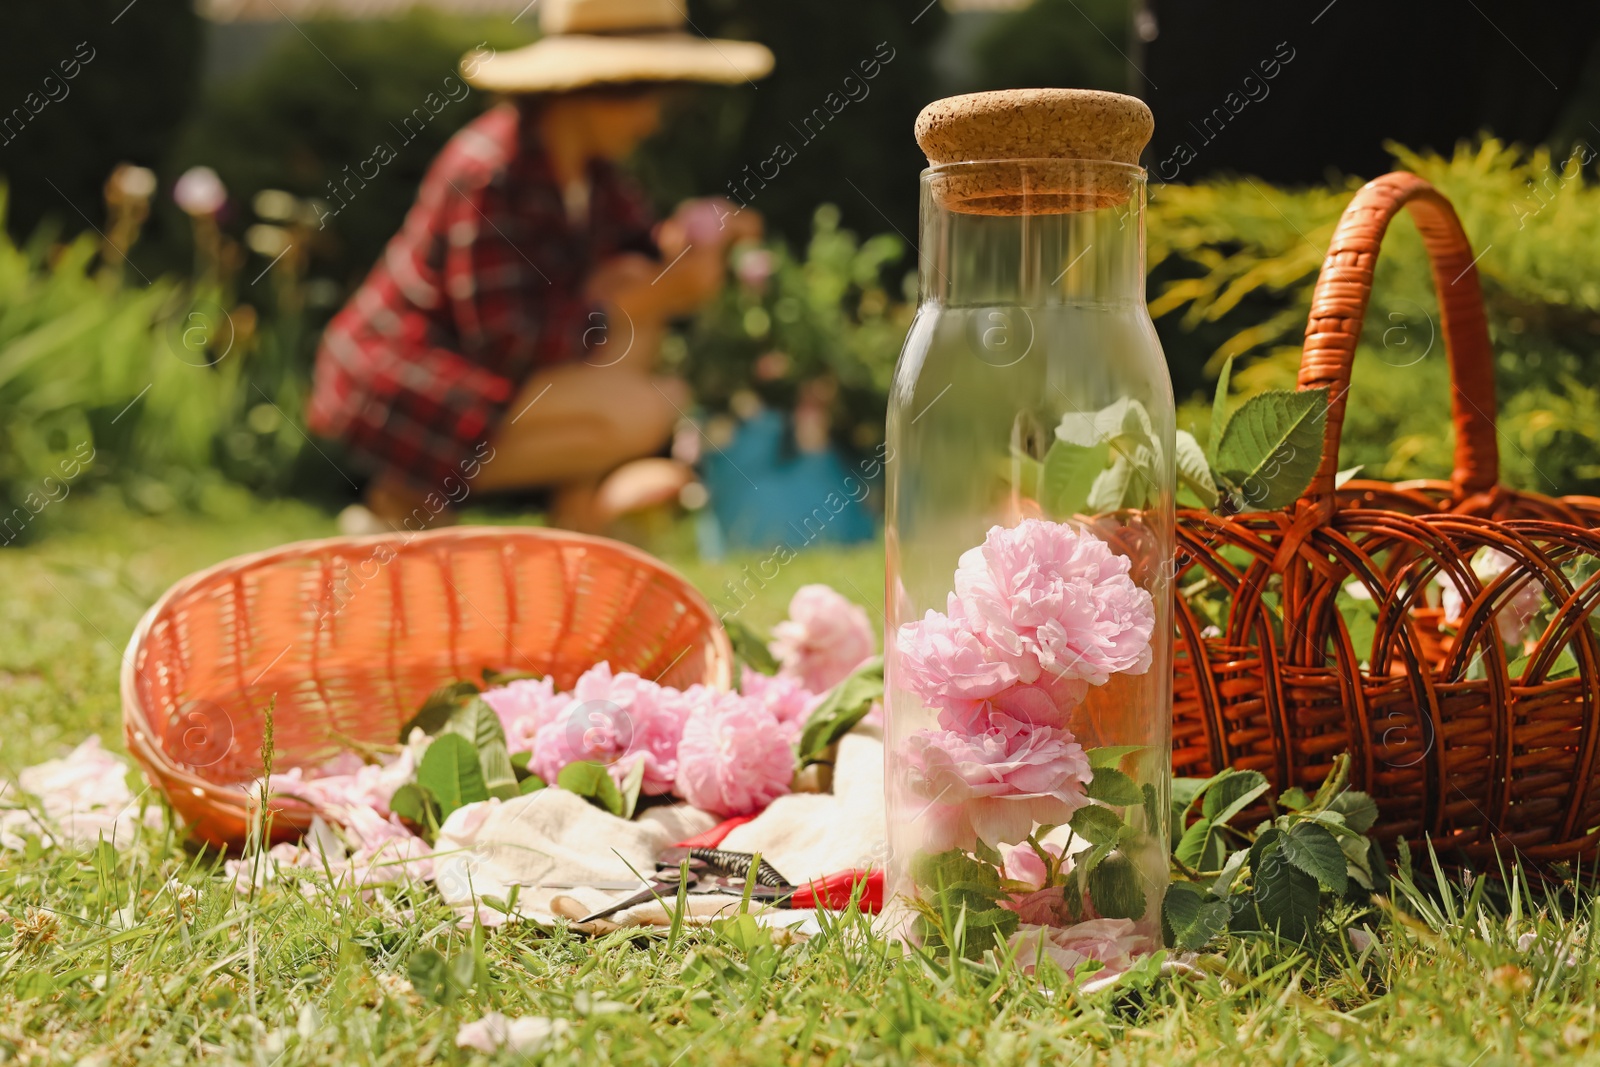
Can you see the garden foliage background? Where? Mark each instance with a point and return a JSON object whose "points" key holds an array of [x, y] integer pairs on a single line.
{"points": [[177, 362]]}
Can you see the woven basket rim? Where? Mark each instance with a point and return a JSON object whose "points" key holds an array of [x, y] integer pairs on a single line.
{"points": [[138, 732]]}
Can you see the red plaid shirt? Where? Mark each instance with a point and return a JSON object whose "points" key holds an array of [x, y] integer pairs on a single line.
{"points": [[481, 286]]}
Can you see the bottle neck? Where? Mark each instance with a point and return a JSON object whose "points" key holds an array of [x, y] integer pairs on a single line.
{"points": [[1020, 234]]}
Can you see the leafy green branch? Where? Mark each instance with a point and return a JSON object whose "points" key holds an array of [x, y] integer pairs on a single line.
{"points": [[1263, 455], [845, 705], [1279, 878], [467, 761]]}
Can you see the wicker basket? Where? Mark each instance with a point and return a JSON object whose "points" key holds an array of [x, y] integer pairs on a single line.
{"points": [[1456, 743], [349, 635]]}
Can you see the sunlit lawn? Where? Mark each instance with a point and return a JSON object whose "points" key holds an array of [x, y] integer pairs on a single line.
{"points": [[110, 962]]}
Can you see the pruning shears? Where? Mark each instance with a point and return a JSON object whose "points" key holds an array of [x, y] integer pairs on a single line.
{"points": [[716, 870]]}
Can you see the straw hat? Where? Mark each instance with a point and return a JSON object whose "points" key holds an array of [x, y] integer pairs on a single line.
{"points": [[610, 42]]}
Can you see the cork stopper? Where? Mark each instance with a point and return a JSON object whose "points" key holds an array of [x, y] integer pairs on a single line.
{"points": [[1060, 133]]}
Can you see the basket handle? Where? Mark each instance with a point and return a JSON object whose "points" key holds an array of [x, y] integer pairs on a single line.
{"points": [[1339, 304]]}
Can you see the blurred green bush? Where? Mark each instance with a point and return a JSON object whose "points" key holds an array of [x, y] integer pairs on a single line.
{"points": [[166, 388], [819, 330], [1240, 257]]}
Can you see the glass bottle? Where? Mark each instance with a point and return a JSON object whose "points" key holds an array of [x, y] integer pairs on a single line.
{"points": [[1030, 541]]}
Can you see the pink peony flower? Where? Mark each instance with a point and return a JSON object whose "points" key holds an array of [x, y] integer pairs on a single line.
{"points": [[1042, 904], [823, 640], [1112, 942], [995, 785], [1022, 864], [367, 829], [1030, 705], [1515, 614], [200, 192], [789, 702], [702, 219], [617, 720], [524, 706], [754, 267], [1052, 599], [320, 848], [384, 851], [735, 757], [943, 659], [86, 779], [1042, 907], [345, 763]]}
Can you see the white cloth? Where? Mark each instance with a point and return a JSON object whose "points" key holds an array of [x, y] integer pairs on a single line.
{"points": [[554, 843], [572, 859]]}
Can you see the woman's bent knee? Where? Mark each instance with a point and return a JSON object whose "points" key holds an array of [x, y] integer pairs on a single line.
{"points": [[643, 413]]}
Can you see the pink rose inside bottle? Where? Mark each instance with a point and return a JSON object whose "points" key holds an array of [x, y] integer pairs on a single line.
{"points": [[1030, 537]]}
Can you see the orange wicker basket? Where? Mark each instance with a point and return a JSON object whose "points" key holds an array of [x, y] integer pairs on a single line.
{"points": [[347, 636], [1457, 740]]}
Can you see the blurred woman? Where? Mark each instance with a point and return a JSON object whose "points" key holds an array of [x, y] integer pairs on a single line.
{"points": [[506, 339]]}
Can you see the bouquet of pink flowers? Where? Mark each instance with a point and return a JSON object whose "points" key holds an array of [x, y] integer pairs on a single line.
{"points": [[730, 753], [1040, 613], [616, 738]]}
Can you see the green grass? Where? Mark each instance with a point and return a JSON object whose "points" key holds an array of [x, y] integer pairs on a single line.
{"points": [[107, 964]]}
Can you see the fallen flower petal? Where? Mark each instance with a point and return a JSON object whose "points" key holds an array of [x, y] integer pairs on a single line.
{"points": [[526, 1034], [1111, 942], [84, 797]]}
